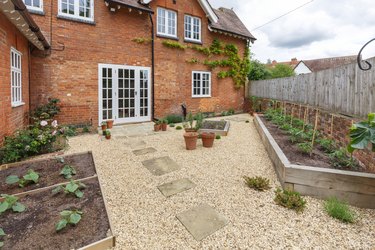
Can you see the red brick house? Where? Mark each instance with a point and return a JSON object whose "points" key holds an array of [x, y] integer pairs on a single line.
{"points": [[107, 59]]}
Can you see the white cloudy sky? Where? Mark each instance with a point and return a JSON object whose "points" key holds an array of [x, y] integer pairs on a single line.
{"points": [[323, 28]]}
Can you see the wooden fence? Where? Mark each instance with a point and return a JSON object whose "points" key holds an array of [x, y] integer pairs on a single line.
{"points": [[343, 90]]}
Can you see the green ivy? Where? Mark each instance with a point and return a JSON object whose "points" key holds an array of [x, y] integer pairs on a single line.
{"points": [[141, 40], [174, 45]]}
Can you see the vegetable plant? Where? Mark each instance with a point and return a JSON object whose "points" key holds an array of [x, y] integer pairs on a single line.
{"points": [[73, 188], [362, 134], [10, 202], [290, 199], [305, 147], [327, 145], [68, 217], [68, 171], [31, 177], [2, 234], [258, 183], [339, 210], [340, 159]]}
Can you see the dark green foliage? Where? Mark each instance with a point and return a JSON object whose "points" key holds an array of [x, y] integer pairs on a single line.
{"points": [[362, 135], [31, 177], [340, 159], [218, 137], [247, 121], [10, 202], [68, 217], [178, 128], [258, 183], [172, 125], [286, 126], [47, 111], [70, 131], [73, 188], [86, 129], [339, 210], [174, 118], [258, 71], [282, 70], [305, 147], [231, 111], [327, 145], [290, 199], [68, 171]]}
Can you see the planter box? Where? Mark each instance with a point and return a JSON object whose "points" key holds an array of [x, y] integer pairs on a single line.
{"points": [[223, 132], [43, 196], [356, 188]]}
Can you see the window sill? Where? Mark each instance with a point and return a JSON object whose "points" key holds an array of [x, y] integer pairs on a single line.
{"points": [[168, 37], [15, 105], [77, 19], [36, 12], [192, 41], [196, 97]]}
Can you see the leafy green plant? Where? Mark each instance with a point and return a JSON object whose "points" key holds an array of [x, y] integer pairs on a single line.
{"points": [[68, 171], [218, 137], [192, 60], [362, 134], [174, 45], [339, 210], [172, 118], [172, 125], [11, 202], [305, 147], [231, 111], [178, 128], [2, 234], [339, 159], [257, 183], [68, 217], [31, 177], [327, 145], [224, 113], [86, 129], [286, 126], [70, 131], [290, 199], [141, 40], [73, 187]]}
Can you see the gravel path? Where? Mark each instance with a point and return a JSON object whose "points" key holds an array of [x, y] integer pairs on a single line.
{"points": [[144, 219]]}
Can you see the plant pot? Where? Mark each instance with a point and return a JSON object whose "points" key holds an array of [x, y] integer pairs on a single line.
{"points": [[104, 127], [164, 126], [110, 124], [208, 139], [157, 127], [252, 113], [190, 130], [191, 140], [108, 137]]}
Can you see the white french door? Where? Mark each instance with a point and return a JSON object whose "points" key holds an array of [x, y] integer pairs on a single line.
{"points": [[124, 93]]}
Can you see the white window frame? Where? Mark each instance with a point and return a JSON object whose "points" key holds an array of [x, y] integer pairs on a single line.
{"points": [[76, 11], [201, 84], [192, 18], [166, 33], [16, 77], [32, 7]]}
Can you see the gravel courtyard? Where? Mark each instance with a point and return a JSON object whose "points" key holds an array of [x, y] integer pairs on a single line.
{"points": [[144, 219]]}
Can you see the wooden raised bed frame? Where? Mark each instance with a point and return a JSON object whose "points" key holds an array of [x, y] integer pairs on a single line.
{"points": [[356, 188], [217, 131], [103, 244]]}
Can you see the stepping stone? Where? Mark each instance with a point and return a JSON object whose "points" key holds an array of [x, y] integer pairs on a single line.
{"points": [[202, 221], [175, 187], [161, 166], [144, 151], [137, 144]]}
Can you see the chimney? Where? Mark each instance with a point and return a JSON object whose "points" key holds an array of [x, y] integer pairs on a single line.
{"points": [[294, 60], [274, 62]]}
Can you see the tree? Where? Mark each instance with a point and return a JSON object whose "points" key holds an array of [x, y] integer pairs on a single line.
{"points": [[282, 70], [258, 71]]}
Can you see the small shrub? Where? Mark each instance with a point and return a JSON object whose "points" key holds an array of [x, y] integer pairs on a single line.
{"points": [[290, 199], [174, 118], [86, 129], [70, 131], [247, 121], [68, 217], [31, 177], [286, 127], [339, 159], [178, 128], [68, 171], [305, 147], [172, 125], [11, 202], [297, 123], [218, 137], [258, 183], [339, 210], [231, 111], [73, 188], [327, 145], [224, 113]]}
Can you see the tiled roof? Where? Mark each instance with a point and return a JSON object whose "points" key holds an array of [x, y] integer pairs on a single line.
{"points": [[230, 22], [133, 3], [328, 63]]}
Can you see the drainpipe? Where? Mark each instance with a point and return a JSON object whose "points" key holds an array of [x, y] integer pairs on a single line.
{"points": [[153, 65]]}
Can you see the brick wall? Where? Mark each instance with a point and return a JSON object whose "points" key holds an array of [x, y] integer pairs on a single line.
{"points": [[12, 119], [331, 125], [70, 71]]}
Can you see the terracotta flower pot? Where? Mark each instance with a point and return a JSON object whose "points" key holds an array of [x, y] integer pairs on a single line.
{"points": [[164, 126], [110, 123], [208, 139], [104, 127], [191, 140], [108, 137], [190, 130], [157, 127]]}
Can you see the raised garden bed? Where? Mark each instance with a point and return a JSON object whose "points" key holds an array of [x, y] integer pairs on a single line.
{"points": [[319, 181], [35, 227], [217, 127]]}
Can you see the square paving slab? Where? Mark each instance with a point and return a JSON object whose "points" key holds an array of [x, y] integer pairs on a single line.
{"points": [[201, 221], [136, 144], [144, 151], [175, 187], [161, 166]]}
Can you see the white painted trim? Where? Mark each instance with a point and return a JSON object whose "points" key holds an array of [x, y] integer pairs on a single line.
{"points": [[201, 86], [192, 28], [166, 23], [76, 11], [18, 102], [39, 9], [209, 11]]}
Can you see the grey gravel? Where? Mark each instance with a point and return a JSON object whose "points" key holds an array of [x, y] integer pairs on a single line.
{"points": [[144, 219]]}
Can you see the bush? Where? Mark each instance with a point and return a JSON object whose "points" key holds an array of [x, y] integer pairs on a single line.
{"points": [[257, 183], [231, 111], [178, 128], [290, 199], [70, 131], [340, 159], [172, 125], [305, 147], [286, 126], [174, 118], [339, 210], [218, 137]]}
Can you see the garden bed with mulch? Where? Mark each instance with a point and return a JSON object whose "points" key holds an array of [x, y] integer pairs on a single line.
{"points": [[36, 226], [218, 127]]}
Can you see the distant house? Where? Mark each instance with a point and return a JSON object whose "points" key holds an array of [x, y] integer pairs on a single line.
{"points": [[309, 66]]}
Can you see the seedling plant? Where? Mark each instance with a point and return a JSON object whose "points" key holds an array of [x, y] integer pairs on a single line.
{"points": [[339, 210], [258, 183], [72, 188], [68, 171], [2, 234], [31, 177], [290, 199], [68, 217], [10, 202]]}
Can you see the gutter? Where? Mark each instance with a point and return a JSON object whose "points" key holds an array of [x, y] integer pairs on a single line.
{"points": [[153, 66], [22, 9]]}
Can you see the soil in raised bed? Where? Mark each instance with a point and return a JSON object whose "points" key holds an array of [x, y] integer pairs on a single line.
{"points": [[214, 125], [48, 170], [35, 228], [295, 156]]}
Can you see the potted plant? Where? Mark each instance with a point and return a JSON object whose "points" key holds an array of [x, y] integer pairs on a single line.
{"points": [[208, 139], [108, 134], [191, 140], [164, 124], [104, 126], [157, 126], [189, 124], [109, 123]]}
